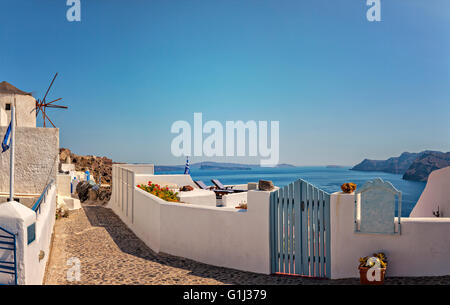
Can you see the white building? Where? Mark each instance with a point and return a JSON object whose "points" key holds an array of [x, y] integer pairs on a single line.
{"points": [[36, 149], [29, 219], [25, 106]]}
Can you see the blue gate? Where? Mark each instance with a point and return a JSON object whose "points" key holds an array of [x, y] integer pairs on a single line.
{"points": [[299, 230], [8, 263]]}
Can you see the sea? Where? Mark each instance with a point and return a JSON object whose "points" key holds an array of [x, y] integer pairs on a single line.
{"points": [[326, 178]]}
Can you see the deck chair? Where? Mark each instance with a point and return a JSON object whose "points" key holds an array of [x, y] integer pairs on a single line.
{"points": [[219, 193], [220, 186], [202, 185]]}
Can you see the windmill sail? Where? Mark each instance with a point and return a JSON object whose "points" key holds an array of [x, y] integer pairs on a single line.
{"points": [[42, 105]]}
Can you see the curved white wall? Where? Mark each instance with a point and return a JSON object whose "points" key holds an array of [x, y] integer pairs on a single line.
{"points": [[436, 193], [16, 217], [220, 236]]}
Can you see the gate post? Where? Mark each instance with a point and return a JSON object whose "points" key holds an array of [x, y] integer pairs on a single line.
{"points": [[272, 227], [341, 224], [15, 219]]}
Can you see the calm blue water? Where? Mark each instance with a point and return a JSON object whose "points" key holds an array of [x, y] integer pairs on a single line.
{"points": [[328, 179]]}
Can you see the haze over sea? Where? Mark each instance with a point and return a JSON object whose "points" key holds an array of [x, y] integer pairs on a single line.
{"points": [[328, 179]]}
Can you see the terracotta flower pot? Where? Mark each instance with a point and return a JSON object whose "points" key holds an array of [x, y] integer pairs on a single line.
{"points": [[363, 276], [348, 188]]}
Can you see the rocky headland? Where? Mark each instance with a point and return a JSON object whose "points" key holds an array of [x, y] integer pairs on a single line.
{"points": [[425, 164], [413, 166]]}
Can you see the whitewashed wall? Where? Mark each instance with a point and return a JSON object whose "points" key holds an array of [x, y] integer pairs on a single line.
{"points": [[422, 249], [36, 159], [25, 105], [16, 217], [63, 185], [225, 236], [217, 236], [436, 193], [139, 168], [44, 230], [123, 182], [179, 180], [3, 117], [233, 200]]}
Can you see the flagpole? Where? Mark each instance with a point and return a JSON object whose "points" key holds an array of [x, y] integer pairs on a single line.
{"points": [[13, 142]]}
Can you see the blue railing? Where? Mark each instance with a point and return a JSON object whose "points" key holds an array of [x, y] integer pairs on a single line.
{"points": [[8, 243], [37, 205]]}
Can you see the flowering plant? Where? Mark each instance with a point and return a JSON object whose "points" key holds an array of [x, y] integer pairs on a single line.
{"points": [[379, 258], [161, 192], [348, 187]]}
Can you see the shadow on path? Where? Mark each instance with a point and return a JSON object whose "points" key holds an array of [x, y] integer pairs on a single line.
{"points": [[128, 242], [167, 269]]}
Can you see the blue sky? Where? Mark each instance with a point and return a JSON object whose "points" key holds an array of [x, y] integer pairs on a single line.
{"points": [[343, 88]]}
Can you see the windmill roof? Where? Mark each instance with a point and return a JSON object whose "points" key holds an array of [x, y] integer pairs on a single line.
{"points": [[6, 87]]}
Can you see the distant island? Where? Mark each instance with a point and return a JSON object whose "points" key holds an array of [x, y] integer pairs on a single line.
{"points": [[214, 166], [413, 166], [335, 166]]}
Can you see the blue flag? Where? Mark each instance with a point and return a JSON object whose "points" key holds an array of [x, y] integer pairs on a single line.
{"points": [[187, 171], [7, 139]]}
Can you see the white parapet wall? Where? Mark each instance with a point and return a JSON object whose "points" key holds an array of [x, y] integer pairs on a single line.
{"points": [[422, 248], [436, 195], [218, 236], [175, 180], [234, 199], [31, 256]]}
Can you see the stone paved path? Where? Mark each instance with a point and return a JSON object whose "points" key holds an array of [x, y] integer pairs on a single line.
{"points": [[111, 254]]}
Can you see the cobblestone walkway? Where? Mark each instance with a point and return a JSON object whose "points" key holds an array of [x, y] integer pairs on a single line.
{"points": [[111, 254]]}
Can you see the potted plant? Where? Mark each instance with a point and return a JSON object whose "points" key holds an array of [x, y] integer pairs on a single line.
{"points": [[348, 187], [242, 205], [372, 269]]}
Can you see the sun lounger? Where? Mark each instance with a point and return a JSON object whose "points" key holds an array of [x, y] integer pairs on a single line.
{"points": [[219, 193], [202, 185]]}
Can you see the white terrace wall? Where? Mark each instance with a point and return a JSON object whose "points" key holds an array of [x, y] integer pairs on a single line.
{"points": [[233, 200], [218, 236], [179, 180], [36, 160], [123, 182], [16, 217], [422, 249], [139, 168]]}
